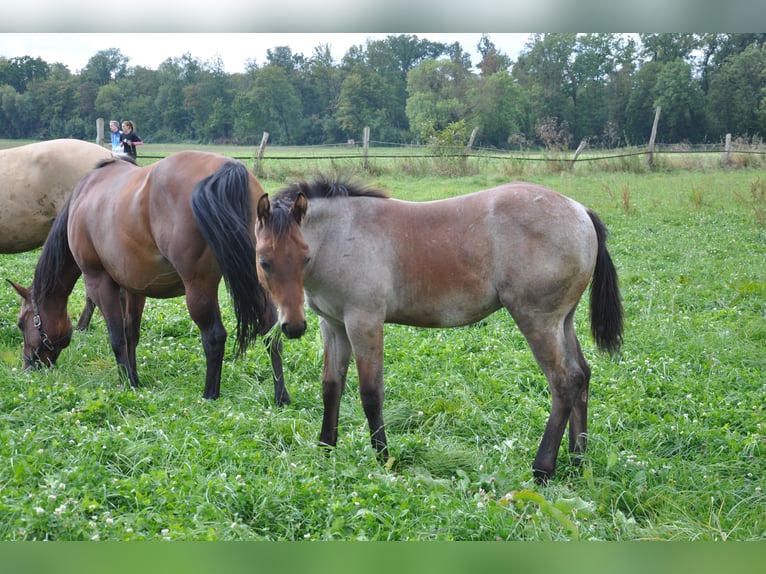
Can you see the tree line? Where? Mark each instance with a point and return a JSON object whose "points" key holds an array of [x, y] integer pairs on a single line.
{"points": [[561, 89]]}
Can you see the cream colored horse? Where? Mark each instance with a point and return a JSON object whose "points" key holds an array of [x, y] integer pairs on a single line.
{"points": [[35, 181]]}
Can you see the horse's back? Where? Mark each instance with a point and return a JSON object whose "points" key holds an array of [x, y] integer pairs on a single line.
{"points": [[136, 223], [453, 261], [36, 180]]}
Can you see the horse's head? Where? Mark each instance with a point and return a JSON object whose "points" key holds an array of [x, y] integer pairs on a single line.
{"points": [[281, 258], [44, 337]]}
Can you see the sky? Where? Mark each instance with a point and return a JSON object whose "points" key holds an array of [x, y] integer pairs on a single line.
{"points": [[235, 49]]}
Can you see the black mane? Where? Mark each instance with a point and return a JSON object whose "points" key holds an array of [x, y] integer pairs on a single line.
{"points": [[321, 187], [55, 258], [327, 188]]}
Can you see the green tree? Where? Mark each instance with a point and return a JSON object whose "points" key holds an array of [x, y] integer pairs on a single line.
{"points": [[737, 94], [362, 102], [272, 105], [438, 95], [492, 60], [105, 66], [544, 71], [497, 107], [681, 98]]}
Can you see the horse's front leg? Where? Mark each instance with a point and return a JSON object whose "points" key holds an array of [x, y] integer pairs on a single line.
{"points": [[366, 337], [204, 311], [274, 347], [337, 355], [106, 295]]}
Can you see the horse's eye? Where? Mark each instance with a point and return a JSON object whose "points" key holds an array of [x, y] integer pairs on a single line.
{"points": [[306, 260], [265, 264]]}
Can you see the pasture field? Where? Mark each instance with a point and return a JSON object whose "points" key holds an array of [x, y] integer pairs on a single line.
{"points": [[677, 437]]}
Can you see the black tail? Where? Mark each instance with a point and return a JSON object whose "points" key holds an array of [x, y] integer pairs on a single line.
{"points": [[606, 314], [222, 207]]}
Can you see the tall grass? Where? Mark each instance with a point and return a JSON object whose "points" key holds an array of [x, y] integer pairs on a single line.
{"points": [[677, 445]]}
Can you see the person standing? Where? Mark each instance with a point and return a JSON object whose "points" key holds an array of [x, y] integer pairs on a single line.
{"points": [[116, 134], [129, 138]]}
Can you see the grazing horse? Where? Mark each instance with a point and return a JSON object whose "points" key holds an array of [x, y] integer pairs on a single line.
{"points": [[168, 229], [36, 181], [364, 259]]}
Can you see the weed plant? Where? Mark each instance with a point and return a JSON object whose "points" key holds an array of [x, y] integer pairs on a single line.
{"points": [[677, 445]]}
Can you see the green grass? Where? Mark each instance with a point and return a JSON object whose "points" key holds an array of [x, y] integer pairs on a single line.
{"points": [[677, 442]]}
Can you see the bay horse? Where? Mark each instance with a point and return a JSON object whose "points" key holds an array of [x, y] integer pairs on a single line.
{"points": [[37, 179], [172, 228], [364, 259]]}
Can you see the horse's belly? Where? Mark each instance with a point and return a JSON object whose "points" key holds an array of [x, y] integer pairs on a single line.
{"points": [[150, 280], [453, 309]]}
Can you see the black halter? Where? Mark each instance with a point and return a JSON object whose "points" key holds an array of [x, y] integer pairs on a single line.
{"points": [[45, 341]]}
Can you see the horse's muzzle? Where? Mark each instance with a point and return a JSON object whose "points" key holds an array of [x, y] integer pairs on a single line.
{"points": [[294, 330]]}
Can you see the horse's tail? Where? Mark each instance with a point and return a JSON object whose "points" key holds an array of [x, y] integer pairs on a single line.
{"points": [[56, 270], [222, 208], [606, 313]]}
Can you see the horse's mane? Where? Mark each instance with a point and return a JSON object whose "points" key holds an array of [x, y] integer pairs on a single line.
{"points": [[55, 257], [325, 187], [321, 187]]}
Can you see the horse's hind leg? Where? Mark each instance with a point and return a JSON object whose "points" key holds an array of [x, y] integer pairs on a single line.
{"points": [[204, 311], [133, 311], [578, 419], [557, 352], [86, 315], [274, 347]]}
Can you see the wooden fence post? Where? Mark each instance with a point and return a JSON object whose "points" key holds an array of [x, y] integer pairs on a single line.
{"points": [[580, 148], [727, 151], [259, 156], [650, 151], [468, 146], [100, 131], [365, 146]]}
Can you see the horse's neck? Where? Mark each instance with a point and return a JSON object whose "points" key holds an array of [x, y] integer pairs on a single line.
{"points": [[62, 286]]}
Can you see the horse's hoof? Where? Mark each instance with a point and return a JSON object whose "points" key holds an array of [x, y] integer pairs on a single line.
{"points": [[542, 477]]}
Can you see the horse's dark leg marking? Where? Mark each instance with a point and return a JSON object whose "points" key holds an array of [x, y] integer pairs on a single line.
{"points": [[204, 311], [337, 355], [274, 347]]}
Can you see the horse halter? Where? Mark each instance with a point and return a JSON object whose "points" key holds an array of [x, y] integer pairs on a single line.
{"points": [[45, 341]]}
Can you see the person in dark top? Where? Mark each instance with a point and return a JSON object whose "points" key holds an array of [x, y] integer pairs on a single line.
{"points": [[129, 138]]}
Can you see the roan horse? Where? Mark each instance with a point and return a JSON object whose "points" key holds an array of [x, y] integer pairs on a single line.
{"points": [[37, 179], [172, 228], [364, 260]]}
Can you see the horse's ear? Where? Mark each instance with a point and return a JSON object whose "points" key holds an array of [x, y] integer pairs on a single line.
{"points": [[23, 291], [263, 209], [299, 207]]}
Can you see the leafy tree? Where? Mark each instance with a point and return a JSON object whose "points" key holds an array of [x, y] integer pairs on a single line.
{"points": [[105, 66], [641, 104], [438, 91], [272, 105], [737, 93], [681, 98], [19, 72], [544, 70], [668, 47], [492, 60], [362, 102], [497, 107]]}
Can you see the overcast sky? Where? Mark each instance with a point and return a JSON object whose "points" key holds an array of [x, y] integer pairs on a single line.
{"points": [[235, 49]]}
